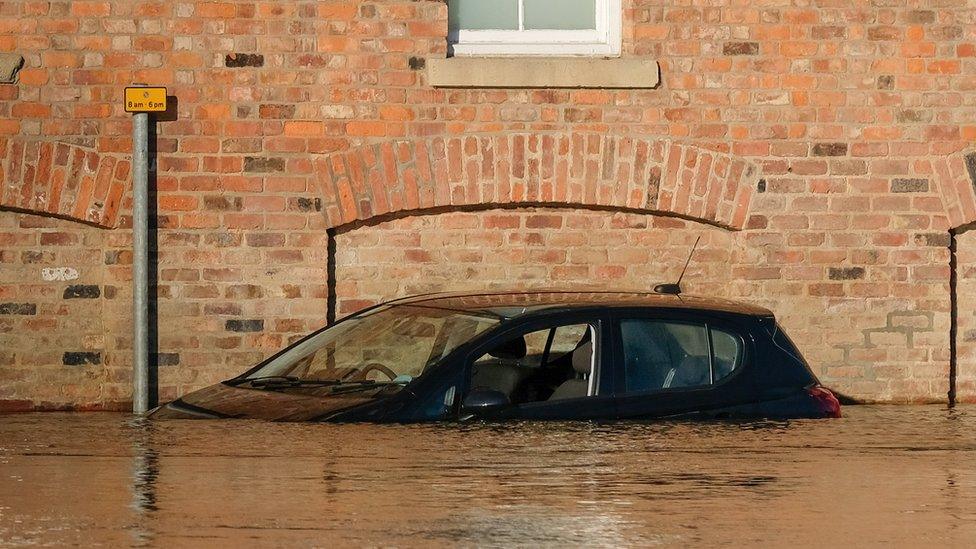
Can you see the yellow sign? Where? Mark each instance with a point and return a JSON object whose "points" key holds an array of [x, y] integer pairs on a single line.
{"points": [[145, 99]]}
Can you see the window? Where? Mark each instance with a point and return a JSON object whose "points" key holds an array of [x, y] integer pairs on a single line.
{"points": [[388, 343], [545, 365], [534, 27], [669, 355]]}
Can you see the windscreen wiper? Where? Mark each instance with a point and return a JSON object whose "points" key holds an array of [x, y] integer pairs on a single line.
{"points": [[289, 381], [361, 385], [282, 382]]}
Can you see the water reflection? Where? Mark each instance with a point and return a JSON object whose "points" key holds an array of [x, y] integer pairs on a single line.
{"points": [[145, 474], [880, 475]]}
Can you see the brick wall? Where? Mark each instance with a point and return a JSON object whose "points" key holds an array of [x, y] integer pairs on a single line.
{"points": [[821, 151], [532, 248], [966, 328]]}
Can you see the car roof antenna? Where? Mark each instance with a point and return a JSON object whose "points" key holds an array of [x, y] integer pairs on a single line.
{"points": [[675, 289]]}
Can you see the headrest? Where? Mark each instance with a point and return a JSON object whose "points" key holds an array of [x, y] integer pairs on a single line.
{"points": [[583, 358], [512, 349]]}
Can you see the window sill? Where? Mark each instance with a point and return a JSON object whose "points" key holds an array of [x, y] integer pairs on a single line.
{"points": [[543, 72]]}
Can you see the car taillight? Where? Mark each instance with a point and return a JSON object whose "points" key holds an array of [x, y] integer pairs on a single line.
{"points": [[825, 400]]}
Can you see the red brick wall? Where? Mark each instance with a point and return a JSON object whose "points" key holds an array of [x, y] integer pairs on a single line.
{"points": [[532, 248], [856, 117]]}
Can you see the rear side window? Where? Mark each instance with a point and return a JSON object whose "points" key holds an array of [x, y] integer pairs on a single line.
{"points": [[661, 355]]}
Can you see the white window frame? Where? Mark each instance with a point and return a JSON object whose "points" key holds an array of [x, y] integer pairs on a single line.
{"points": [[604, 41]]}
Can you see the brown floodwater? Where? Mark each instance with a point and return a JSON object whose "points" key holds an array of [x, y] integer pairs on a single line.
{"points": [[878, 476]]}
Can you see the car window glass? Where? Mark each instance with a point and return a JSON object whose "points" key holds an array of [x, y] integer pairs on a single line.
{"points": [[535, 346], [660, 355], [566, 339], [519, 371], [663, 355], [383, 345], [725, 349]]}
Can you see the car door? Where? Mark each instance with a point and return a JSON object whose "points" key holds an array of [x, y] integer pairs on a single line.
{"points": [[679, 363], [549, 368]]}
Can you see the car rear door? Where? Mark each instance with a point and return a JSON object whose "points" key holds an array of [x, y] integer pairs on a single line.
{"points": [[674, 363]]}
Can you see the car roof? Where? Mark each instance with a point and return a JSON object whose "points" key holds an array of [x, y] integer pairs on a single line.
{"points": [[512, 304]]}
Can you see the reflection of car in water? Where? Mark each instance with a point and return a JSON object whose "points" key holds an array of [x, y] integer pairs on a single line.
{"points": [[532, 355]]}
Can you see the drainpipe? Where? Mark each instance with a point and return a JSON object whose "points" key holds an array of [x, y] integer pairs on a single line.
{"points": [[140, 262]]}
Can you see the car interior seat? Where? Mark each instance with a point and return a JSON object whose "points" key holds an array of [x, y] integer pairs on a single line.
{"points": [[692, 371], [502, 369], [579, 384]]}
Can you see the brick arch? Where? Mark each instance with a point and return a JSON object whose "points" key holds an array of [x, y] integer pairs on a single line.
{"points": [[644, 174], [957, 178], [62, 180]]}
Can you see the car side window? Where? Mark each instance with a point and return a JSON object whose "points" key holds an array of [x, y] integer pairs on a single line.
{"points": [[543, 365], [726, 350], [660, 355]]}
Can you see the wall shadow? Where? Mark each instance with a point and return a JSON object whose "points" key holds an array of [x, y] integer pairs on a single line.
{"points": [[152, 346]]}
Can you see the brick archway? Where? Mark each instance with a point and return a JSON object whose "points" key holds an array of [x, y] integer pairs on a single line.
{"points": [[957, 179], [956, 176], [638, 174], [62, 180]]}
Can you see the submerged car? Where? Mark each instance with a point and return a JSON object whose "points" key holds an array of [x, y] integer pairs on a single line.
{"points": [[529, 355]]}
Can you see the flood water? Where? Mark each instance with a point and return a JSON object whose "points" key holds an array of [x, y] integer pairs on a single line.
{"points": [[879, 476]]}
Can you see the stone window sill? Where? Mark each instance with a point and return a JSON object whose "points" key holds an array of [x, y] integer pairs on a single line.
{"points": [[542, 72]]}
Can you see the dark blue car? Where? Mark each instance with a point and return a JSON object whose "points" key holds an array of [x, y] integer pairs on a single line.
{"points": [[529, 355]]}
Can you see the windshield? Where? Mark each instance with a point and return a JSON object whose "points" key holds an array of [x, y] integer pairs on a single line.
{"points": [[388, 344]]}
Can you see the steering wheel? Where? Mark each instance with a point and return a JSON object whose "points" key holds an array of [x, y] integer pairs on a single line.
{"points": [[378, 367]]}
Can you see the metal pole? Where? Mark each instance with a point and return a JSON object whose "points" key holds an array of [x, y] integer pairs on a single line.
{"points": [[140, 263]]}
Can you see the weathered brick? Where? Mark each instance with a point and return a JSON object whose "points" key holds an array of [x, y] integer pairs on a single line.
{"points": [[81, 358], [276, 111], [940, 240], [223, 203], [260, 164], [909, 185], [82, 291], [883, 33], [58, 239], [265, 239], [845, 273], [244, 291], [919, 17], [18, 308], [822, 32], [544, 222], [31, 256], [740, 48], [829, 149], [307, 204], [236, 325], [224, 309], [913, 115], [235, 60]]}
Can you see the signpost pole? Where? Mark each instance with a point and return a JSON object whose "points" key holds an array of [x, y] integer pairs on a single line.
{"points": [[140, 262], [141, 100]]}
